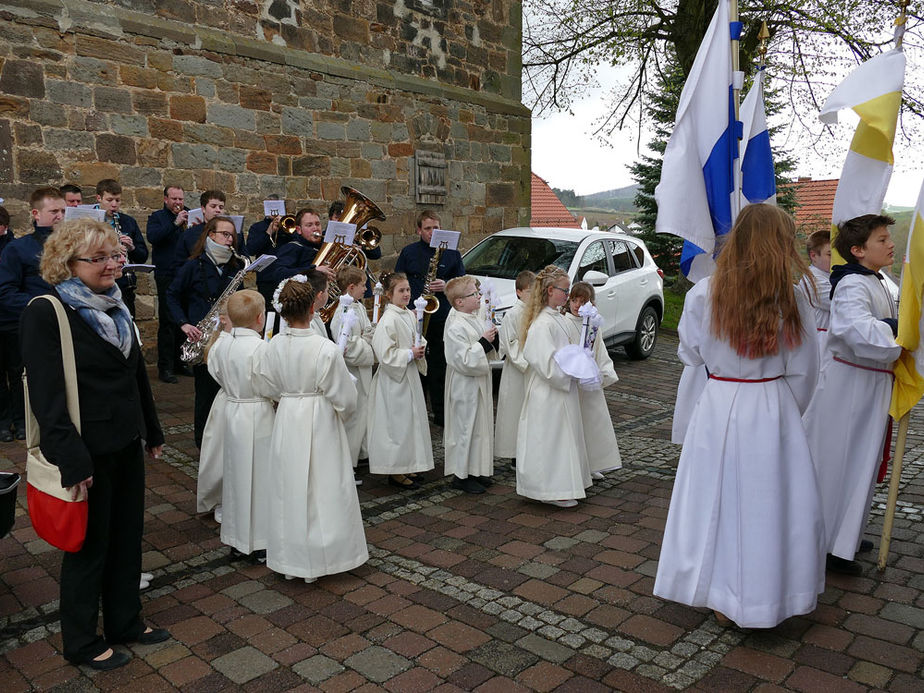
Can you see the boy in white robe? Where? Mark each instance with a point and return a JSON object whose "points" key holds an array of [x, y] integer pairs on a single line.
{"points": [[318, 281], [599, 436], [846, 421], [234, 362], [513, 374], [818, 247], [468, 437], [359, 356], [315, 525], [398, 433]]}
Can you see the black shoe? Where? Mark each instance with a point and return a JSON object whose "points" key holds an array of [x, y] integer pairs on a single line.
{"points": [[6, 436], [362, 462], [187, 371], [152, 637], [114, 661], [865, 546], [485, 481], [20, 433], [469, 485], [438, 420], [841, 565], [167, 376]]}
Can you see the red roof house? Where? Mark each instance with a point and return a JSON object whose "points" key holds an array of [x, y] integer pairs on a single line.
{"points": [[547, 209], [815, 203]]}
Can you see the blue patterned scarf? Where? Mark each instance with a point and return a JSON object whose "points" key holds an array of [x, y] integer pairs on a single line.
{"points": [[104, 312]]}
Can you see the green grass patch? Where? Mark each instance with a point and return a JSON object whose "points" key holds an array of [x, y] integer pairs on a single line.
{"points": [[673, 307]]}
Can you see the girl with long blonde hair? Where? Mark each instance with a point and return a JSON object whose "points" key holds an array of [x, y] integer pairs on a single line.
{"points": [[745, 534], [552, 462]]}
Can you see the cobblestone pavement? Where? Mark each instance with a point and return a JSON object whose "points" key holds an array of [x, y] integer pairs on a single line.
{"points": [[487, 593]]}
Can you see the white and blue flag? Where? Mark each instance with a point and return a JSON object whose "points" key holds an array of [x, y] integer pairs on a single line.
{"points": [[696, 196], [758, 180]]}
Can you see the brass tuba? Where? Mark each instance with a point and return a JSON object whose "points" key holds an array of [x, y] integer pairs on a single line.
{"points": [[358, 209]]}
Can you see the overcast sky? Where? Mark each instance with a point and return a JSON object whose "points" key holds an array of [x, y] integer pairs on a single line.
{"points": [[568, 155]]}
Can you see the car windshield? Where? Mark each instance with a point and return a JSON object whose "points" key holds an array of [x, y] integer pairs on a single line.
{"points": [[505, 257]]}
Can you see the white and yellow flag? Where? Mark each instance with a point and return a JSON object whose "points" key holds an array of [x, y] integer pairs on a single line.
{"points": [[909, 369], [874, 92]]}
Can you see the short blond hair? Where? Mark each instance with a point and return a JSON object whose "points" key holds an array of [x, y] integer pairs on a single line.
{"points": [[350, 274], [245, 307], [70, 240], [457, 288]]}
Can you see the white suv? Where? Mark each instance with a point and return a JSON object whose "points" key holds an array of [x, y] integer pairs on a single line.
{"points": [[627, 282]]}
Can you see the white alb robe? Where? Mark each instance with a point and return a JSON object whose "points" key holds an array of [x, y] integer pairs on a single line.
{"points": [[234, 362], [315, 523], [692, 381], [318, 327], [846, 422], [398, 433], [551, 456], [211, 457], [468, 436], [599, 435], [820, 300], [359, 358], [744, 533], [512, 382]]}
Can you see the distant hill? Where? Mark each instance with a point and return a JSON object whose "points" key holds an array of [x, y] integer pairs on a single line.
{"points": [[617, 200]]}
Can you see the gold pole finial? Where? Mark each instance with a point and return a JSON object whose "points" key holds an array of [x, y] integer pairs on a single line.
{"points": [[764, 35], [900, 22]]}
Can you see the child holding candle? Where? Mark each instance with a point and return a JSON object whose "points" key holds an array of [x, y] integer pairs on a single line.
{"points": [[513, 374], [398, 434]]}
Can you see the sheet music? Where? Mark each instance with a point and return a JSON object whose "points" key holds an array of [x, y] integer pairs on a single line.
{"points": [[450, 238], [340, 232]]}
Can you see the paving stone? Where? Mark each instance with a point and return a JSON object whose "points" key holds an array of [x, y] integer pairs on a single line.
{"points": [[545, 649], [502, 657], [244, 664], [317, 669], [378, 664], [264, 601]]}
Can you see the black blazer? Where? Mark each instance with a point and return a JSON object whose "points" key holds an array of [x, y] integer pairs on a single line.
{"points": [[116, 404]]}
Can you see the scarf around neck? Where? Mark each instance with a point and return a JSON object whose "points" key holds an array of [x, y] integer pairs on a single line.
{"points": [[104, 312], [216, 252]]}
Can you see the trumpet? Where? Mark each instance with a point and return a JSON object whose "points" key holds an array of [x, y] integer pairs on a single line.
{"points": [[286, 224]]}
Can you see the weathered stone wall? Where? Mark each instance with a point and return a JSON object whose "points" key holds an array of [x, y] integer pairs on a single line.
{"points": [[230, 95]]}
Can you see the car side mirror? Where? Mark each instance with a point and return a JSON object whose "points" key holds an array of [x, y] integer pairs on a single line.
{"points": [[595, 278]]}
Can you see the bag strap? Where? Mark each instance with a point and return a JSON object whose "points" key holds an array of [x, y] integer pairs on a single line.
{"points": [[67, 358]]}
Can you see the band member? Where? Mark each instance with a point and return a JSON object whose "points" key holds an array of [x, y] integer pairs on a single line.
{"points": [[414, 261], [468, 437], [212, 203], [73, 196], [315, 525], [20, 282], [398, 434], [165, 228], [552, 464], [296, 256], [265, 236], [198, 284], [109, 198]]}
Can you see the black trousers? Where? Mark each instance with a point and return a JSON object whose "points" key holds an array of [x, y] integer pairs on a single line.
{"points": [[435, 380], [169, 335], [206, 389], [108, 565], [12, 404]]}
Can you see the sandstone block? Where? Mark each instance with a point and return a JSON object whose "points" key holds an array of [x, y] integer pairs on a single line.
{"points": [[500, 194], [135, 76], [311, 165], [108, 49], [115, 148], [205, 87], [284, 165], [194, 156], [297, 121], [267, 123], [149, 103], [331, 131], [26, 135], [91, 172], [14, 106], [255, 98], [140, 177], [248, 140], [231, 159], [195, 65], [152, 152], [162, 128], [371, 151], [215, 180], [359, 130], [92, 71], [384, 169], [261, 162], [22, 78], [112, 100], [69, 93], [129, 125], [231, 116], [399, 149], [208, 134], [37, 166], [360, 168], [187, 108], [67, 140], [6, 146], [283, 144]]}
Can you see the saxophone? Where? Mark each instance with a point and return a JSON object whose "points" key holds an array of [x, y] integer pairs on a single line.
{"points": [[192, 353], [433, 303]]}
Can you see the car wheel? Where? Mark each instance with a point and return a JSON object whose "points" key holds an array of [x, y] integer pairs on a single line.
{"points": [[646, 335]]}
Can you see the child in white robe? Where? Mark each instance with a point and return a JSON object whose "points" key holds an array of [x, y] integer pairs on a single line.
{"points": [[599, 436], [551, 458], [513, 374], [359, 356], [818, 289], [318, 281], [398, 433], [212, 451], [234, 362], [315, 525], [744, 533], [468, 437], [846, 422]]}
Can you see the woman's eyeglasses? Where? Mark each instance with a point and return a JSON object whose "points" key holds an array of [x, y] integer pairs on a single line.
{"points": [[226, 234], [115, 257]]}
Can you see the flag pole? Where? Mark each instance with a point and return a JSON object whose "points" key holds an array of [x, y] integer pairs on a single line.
{"points": [[737, 83], [888, 519]]}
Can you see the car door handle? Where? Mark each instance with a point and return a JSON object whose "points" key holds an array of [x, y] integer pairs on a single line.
{"points": [[611, 294]]}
